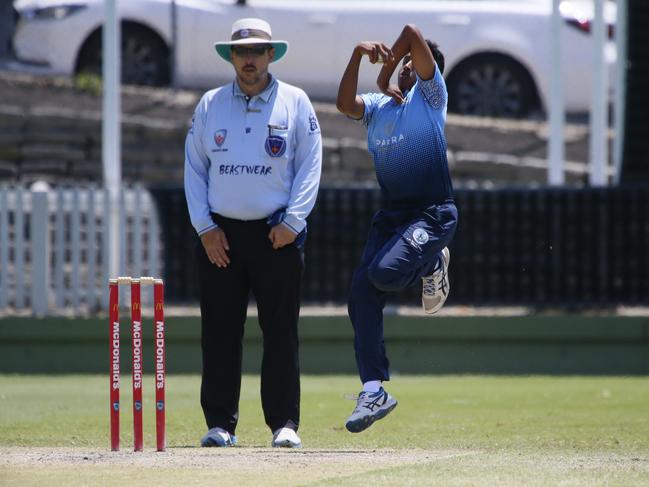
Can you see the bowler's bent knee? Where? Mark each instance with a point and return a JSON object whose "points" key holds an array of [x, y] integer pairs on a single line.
{"points": [[386, 279]]}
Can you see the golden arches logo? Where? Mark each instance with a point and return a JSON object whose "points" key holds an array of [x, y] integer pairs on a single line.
{"points": [[115, 307], [136, 306], [158, 306]]}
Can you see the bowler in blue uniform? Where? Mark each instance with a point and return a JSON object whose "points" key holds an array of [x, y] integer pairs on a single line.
{"points": [[409, 237]]}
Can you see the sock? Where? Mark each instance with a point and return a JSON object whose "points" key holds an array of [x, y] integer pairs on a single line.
{"points": [[372, 386]]}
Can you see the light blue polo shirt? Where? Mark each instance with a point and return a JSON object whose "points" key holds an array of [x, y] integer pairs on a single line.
{"points": [[245, 158], [408, 143]]}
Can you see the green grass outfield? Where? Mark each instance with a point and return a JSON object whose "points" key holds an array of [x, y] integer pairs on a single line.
{"points": [[447, 431]]}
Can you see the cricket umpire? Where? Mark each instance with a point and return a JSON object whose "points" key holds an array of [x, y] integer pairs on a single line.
{"points": [[253, 160]]}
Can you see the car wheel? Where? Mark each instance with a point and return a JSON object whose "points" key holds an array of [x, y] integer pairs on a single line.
{"points": [[145, 57], [491, 86]]}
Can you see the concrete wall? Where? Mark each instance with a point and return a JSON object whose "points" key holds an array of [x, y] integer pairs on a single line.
{"points": [[50, 129]]}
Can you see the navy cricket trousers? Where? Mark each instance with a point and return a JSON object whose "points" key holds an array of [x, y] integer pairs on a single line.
{"points": [[397, 255], [274, 278]]}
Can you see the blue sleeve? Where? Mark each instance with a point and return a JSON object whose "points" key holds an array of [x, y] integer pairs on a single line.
{"points": [[371, 101], [434, 90], [197, 166], [307, 165]]}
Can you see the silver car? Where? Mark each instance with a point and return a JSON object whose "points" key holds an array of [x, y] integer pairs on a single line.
{"points": [[497, 51]]}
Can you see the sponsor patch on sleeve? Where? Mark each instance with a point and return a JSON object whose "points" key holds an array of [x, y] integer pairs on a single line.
{"points": [[314, 128]]}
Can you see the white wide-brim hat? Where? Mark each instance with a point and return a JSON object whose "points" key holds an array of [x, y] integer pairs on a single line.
{"points": [[250, 31]]}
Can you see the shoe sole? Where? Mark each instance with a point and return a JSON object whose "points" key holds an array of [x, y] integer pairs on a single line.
{"points": [[363, 423], [286, 444], [211, 443], [215, 444]]}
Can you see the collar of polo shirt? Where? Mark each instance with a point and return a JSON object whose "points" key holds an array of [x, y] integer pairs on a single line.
{"points": [[264, 95]]}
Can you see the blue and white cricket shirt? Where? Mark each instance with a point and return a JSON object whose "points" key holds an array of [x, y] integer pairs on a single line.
{"points": [[408, 143], [245, 158]]}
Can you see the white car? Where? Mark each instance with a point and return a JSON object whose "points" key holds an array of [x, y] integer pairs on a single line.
{"points": [[497, 51]]}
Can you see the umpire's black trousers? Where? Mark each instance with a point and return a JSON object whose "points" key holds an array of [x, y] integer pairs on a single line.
{"points": [[274, 277]]}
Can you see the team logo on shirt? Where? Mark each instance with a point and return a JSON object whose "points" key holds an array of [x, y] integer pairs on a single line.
{"points": [[219, 137], [420, 236], [387, 141], [275, 145], [313, 123]]}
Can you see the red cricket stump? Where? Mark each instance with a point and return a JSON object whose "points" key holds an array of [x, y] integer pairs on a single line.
{"points": [[160, 373], [113, 304], [136, 337], [138, 356]]}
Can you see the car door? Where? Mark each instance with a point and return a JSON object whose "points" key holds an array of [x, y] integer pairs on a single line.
{"points": [[383, 22], [309, 27], [201, 23]]}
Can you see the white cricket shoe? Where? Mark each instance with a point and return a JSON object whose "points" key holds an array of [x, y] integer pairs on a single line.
{"points": [[370, 407], [435, 287], [218, 437], [286, 438]]}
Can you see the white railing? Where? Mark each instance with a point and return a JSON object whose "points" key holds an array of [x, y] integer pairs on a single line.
{"points": [[53, 247]]}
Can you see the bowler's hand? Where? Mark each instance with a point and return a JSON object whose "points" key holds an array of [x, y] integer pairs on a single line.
{"points": [[394, 92], [377, 52], [216, 247], [280, 235]]}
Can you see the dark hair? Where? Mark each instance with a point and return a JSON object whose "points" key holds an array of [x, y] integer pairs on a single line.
{"points": [[437, 55]]}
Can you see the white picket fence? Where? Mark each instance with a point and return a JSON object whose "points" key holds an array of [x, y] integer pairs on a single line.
{"points": [[54, 241]]}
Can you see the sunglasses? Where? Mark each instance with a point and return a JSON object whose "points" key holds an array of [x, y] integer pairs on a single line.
{"points": [[255, 51]]}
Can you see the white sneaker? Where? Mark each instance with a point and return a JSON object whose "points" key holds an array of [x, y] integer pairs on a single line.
{"points": [[370, 407], [218, 437], [287, 438], [435, 287]]}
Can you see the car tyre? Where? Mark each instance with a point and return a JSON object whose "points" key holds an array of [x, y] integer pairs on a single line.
{"points": [[145, 57], [491, 86]]}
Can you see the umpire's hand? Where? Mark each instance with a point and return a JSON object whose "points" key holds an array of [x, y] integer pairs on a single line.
{"points": [[216, 246], [280, 235]]}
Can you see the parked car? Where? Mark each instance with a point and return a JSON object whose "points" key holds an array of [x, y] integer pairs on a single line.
{"points": [[497, 51]]}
